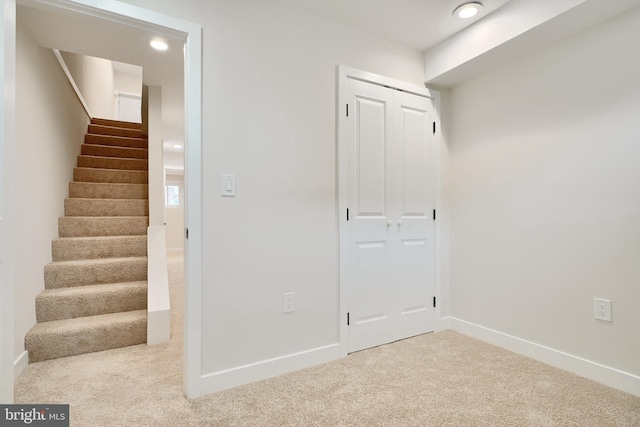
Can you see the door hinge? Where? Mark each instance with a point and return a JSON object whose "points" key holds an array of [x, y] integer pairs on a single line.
{"points": [[347, 214], [434, 214], [434, 127], [186, 233], [347, 319], [434, 302], [347, 110]]}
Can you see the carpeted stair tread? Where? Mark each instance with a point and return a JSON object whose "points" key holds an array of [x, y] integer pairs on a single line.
{"points": [[116, 123], [86, 226], [100, 190], [113, 151], [66, 274], [95, 295], [106, 207], [117, 141], [115, 131], [112, 163], [91, 300], [110, 176], [73, 248], [70, 337]]}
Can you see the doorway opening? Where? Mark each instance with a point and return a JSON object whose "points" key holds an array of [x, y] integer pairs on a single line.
{"points": [[128, 19]]}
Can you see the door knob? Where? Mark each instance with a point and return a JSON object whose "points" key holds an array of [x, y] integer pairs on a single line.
{"points": [[399, 223], [389, 223]]}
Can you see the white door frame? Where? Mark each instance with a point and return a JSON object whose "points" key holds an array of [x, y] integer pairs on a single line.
{"points": [[126, 14], [342, 74], [7, 210]]}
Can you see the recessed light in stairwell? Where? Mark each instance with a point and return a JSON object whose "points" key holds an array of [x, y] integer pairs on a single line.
{"points": [[159, 44], [467, 10]]}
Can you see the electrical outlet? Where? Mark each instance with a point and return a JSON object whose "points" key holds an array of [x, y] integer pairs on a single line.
{"points": [[289, 302], [602, 309]]}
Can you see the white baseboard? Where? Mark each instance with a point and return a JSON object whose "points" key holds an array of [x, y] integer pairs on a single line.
{"points": [[20, 365], [611, 377], [442, 324], [217, 381]]}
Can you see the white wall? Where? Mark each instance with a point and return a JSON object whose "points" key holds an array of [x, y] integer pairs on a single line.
{"points": [[173, 160], [174, 216], [50, 126], [127, 83], [545, 199], [95, 80], [269, 118]]}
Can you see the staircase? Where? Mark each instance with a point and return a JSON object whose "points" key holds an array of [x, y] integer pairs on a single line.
{"points": [[95, 295]]}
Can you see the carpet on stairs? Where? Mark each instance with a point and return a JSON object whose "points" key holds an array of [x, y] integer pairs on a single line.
{"points": [[95, 294]]}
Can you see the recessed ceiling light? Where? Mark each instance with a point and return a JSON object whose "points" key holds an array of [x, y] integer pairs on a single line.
{"points": [[177, 146], [467, 10], [159, 44]]}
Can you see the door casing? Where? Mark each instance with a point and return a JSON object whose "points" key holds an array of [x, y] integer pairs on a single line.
{"points": [[343, 73], [129, 15]]}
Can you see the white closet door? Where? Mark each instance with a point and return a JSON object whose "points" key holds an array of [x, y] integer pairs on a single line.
{"points": [[390, 227], [414, 235]]}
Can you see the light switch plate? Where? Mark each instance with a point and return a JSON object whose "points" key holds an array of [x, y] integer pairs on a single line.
{"points": [[228, 185]]}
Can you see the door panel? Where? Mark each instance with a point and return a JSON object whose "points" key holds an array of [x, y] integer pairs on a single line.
{"points": [[369, 150], [371, 153], [370, 310], [416, 182], [390, 235], [416, 257], [415, 290]]}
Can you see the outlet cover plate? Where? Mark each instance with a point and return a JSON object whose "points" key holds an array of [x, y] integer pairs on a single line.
{"points": [[289, 302], [602, 309]]}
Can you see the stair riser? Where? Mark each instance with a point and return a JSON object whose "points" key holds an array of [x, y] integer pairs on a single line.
{"points": [[108, 151], [112, 226], [99, 247], [107, 130], [66, 276], [105, 207], [112, 163], [115, 141], [116, 123], [52, 306], [110, 176], [83, 190], [63, 343]]}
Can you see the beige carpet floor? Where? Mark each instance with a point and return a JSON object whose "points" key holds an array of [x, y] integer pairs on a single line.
{"points": [[439, 379]]}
